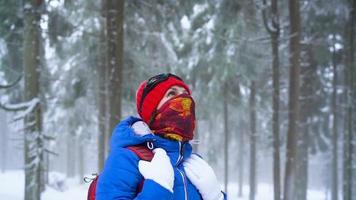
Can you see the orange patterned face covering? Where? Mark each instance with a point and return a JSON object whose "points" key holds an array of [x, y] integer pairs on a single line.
{"points": [[175, 119]]}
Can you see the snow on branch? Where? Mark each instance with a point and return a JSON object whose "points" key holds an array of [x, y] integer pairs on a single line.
{"points": [[24, 107]]}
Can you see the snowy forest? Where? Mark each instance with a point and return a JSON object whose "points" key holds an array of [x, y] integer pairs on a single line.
{"points": [[274, 84]]}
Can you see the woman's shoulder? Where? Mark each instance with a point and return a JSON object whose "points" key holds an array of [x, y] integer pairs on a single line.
{"points": [[122, 158]]}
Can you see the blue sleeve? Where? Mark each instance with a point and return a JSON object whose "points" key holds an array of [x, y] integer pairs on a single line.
{"points": [[120, 178]]}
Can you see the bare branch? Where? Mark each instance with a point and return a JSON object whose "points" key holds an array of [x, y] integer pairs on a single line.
{"points": [[48, 137], [271, 27], [264, 17], [12, 84], [10, 108], [51, 152]]}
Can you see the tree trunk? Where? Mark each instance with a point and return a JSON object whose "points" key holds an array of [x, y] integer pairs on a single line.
{"points": [[253, 141], [302, 157], [226, 143], [102, 95], [290, 170], [241, 158], [33, 141], [348, 137], [115, 35], [274, 32], [276, 143], [334, 174], [308, 75]]}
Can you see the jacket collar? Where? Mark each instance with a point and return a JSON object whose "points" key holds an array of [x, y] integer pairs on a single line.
{"points": [[176, 150], [124, 136]]}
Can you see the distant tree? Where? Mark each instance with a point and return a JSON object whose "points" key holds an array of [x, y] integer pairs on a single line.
{"points": [[335, 135], [272, 26], [226, 137], [102, 94], [348, 146], [308, 79], [241, 157], [253, 140]]}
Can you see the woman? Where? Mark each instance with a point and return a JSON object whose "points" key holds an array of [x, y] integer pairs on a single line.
{"points": [[167, 124]]}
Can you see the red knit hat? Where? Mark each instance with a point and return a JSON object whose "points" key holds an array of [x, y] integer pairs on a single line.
{"points": [[147, 103]]}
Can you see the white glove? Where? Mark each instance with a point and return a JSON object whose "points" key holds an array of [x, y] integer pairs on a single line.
{"points": [[159, 170], [203, 178], [141, 128]]}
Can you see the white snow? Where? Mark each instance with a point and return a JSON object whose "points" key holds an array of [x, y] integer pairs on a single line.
{"points": [[30, 105], [12, 187], [265, 192], [55, 4], [22, 105], [185, 23]]}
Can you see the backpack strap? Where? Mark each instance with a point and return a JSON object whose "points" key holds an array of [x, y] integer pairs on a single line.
{"points": [[142, 151], [92, 189]]}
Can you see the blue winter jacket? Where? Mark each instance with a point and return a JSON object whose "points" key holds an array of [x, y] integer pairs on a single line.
{"points": [[120, 176]]}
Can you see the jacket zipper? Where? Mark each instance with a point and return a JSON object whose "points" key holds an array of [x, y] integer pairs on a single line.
{"points": [[180, 154], [184, 184], [180, 158]]}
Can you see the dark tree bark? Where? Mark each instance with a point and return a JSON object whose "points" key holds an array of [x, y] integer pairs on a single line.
{"points": [[110, 69], [253, 141], [294, 48], [33, 141], [351, 100], [115, 45], [274, 33]]}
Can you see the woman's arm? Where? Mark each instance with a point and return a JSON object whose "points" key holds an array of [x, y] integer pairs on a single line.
{"points": [[121, 177]]}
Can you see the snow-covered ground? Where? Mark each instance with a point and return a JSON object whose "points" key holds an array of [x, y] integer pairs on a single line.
{"points": [[12, 187], [265, 192]]}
